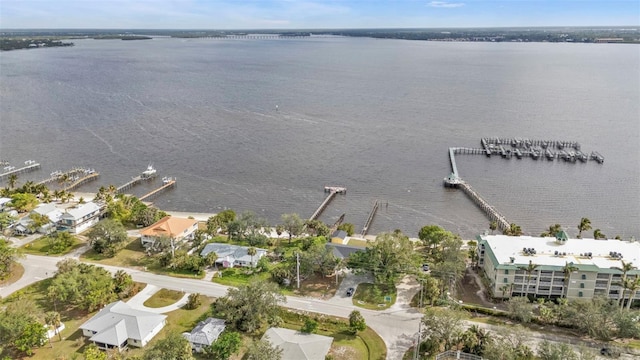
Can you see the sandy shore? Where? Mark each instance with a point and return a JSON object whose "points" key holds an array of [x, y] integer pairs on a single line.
{"points": [[195, 215]]}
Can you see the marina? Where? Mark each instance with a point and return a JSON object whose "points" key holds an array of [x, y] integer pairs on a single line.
{"points": [[332, 190], [69, 174]]}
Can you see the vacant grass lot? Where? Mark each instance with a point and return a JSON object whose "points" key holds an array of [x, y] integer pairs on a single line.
{"points": [[40, 246], [133, 255], [163, 298], [15, 275], [239, 276], [372, 296]]}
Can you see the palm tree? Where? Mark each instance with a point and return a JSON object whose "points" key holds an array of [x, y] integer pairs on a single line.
{"points": [[633, 287], [597, 234], [493, 226], [13, 178], [552, 231], [529, 270], [585, 224], [53, 318], [513, 230], [504, 289], [567, 270], [251, 252], [624, 269]]}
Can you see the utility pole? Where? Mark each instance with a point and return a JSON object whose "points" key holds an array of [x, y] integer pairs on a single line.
{"points": [[298, 268]]}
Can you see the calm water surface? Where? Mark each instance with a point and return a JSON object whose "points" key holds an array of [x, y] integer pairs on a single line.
{"points": [[264, 125]]}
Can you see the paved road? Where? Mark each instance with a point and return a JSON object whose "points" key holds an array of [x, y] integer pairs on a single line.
{"points": [[397, 325]]}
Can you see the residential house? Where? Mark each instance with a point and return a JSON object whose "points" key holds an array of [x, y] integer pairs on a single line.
{"points": [[504, 261], [4, 203], [117, 326], [174, 228], [343, 251], [205, 333], [296, 345], [233, 255], [338, 237], [80, 218], [54, 214]]}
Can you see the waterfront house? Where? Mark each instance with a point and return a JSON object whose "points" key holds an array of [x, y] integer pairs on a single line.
{"points": [[118, 325], [297, 345], [205, 333], [80, 218], [343, 251], [174, 228], [338, 237], [23, 227], [233, 255], [503, 260]]}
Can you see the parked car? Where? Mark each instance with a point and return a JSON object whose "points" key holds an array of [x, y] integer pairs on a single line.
{"points": [[350, 291], [425, 267], [609, 352]]}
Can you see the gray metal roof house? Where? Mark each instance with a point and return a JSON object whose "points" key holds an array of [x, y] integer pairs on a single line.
{"points": [[296, 345], [117, 325], [205, 333]]}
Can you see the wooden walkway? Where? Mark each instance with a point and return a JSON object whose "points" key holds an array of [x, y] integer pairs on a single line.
{"points": [[56, 177], [332, 190], [21, 170], [83, 180], [492, 213], [167, 184], [372, 214]]}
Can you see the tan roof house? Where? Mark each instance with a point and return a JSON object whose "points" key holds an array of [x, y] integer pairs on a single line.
{"points": [[175, 228], [296, 345]]}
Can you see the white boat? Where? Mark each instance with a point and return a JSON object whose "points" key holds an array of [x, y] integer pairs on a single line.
{"points": [[149, 172], [166, 180]]}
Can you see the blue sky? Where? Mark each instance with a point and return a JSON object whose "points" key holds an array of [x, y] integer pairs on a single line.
{"points": [[313, 14]]}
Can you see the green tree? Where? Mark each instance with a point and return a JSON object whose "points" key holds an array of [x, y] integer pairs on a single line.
{"points": [[249, 306], [172, 347], [6, 219], [529, 269], [597, 234], [33, 334], [292, 224], [521, 309], [122, 282], [24, 202], [391, 255], [92, 352], [624, 269], [20, 325], [263, 350], [475, 340], [348, 228], [251, 251], [513, 230], [210, 259], [8, 257], [442, 325], [193, 302], [87, 286], [509, 344], [228, 343], [432, 236], [584, 225], [52, 318], [560, 351], [552, 231], [356, 321], [566, 271], [310, 326], [13, 178], [493, 226], [220, 221], [107, 237]]}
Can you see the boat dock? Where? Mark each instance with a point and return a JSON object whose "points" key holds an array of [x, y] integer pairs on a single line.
{"points": [[332, 190], [89, 176], [372, 214], [57, 175], [148, 174], [167, 183], [30, 165], [568, 151]]}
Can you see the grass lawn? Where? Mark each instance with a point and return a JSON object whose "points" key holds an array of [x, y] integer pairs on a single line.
{"points": [[40, 246], [163, 298], [365, 345], [320, 287], [239, 276], [133, 255], [372, 296], [15, 275]]}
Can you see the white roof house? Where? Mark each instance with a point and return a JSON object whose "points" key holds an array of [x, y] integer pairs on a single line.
{"points": [[296, 345], [80, 218], [49, 210], [205, 333], [4, 203], [117, 325], [233, 255]]}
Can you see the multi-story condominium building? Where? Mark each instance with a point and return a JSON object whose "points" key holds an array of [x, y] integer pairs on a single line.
{"points": [[553, 267]]}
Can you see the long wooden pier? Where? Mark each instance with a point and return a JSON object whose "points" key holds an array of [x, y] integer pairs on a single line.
{"points": [[492, 213], [332, 190], [28, 168], [83, 180], [167, 183], [372, 214]]}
